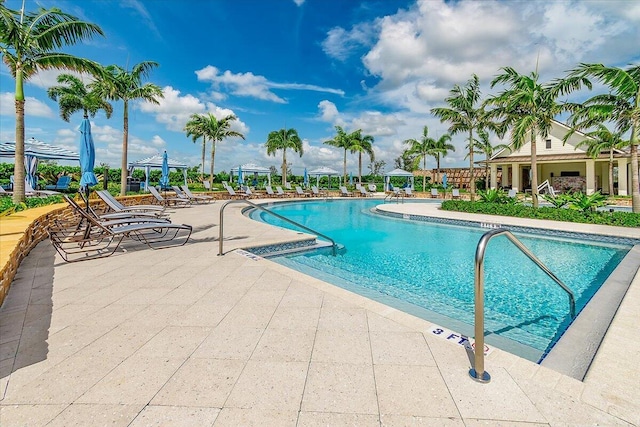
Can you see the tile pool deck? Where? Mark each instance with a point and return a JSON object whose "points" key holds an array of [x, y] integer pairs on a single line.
{"points": [[182, 337]]}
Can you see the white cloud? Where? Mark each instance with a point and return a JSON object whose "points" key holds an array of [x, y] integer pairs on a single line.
{"points": [[340, 43], [32, 106], [174, 109], [253, 86], [47, 78], [298, 2]]}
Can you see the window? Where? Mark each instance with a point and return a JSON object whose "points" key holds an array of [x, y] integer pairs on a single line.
{"points": [[548, 144]]}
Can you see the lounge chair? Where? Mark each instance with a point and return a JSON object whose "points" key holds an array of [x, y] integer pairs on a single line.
{"points": [[280, 192], [300, 192], [455, 193], [234, 195], [201, 198], [365, 193], [88, 238], [168, 201], [408, 192], [344, 192], [116, 206], [270, 192], [434, 193], [288, 186], [207, 185], [62, 184], [317, 193]]}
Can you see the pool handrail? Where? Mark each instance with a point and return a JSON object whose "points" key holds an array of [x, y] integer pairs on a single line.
{"points": [[477, 372], [334, 245]]}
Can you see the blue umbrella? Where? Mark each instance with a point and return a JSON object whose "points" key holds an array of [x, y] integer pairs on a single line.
{"points": [[306, 178], [444, 181], [164, 179], [350, 178], [240, 178], [87, 157]]}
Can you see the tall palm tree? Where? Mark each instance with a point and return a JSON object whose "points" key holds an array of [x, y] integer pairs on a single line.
{"points": [[195, 129], [599, 140], [341, 140], [73, 95], [422, 148], [361, 144], [281, 140], [620, 106], [484, 147], [119, 84], [29, 43], [528, 108], [440, 149], [217, 130], [465, 115]]}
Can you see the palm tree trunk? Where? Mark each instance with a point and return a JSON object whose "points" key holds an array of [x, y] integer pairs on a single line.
{"points": [[125, 147], [360, 167], [345, 167], [635, 191], [213, 157], [204, 151], [472, 184], [18, 168], [534, 171], [284, 166], [486, 174], [438, 167], [611, 172], [424, 177]]}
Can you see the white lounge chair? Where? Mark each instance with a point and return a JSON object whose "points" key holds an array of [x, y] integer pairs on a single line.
{"points": [[300, 192], [280, 192], [408, 192], [455, 193], [166, 201], [115, 205], [198, 198], [434, 193], [344, 192]]}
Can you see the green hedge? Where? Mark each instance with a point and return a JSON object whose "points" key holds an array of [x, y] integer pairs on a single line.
{"points": [[623, 219]]}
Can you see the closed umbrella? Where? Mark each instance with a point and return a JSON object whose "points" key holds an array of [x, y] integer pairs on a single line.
{"points": [[240, 178], [164, 179], [350, 178], [444, 181], [31, 166], [87, 158], [306, 178]]}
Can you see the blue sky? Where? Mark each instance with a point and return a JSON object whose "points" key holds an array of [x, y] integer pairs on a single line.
{"points": [[379, 66]]}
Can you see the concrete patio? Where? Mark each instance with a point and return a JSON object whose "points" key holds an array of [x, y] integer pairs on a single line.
{"points": [[183, 337]]}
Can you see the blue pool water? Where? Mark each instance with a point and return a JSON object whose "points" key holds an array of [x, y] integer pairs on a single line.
{"points": [[427, 269]]}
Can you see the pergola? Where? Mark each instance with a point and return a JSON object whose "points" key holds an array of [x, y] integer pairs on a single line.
{"points": [[248, 168], [155, 162], [323, 171]]}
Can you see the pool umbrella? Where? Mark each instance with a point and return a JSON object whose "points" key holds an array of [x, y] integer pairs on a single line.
{"points": [[444, 181], [350, 178], [306, 178], [87, 158], [240, 178], [164, 179], [31, 166]]}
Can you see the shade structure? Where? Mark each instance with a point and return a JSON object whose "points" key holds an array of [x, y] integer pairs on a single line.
{"points": [[164, 179], [155, 162], [250, 168], [444, 181], [87, 156], [323, 171], [35, 150], [397, 172]]}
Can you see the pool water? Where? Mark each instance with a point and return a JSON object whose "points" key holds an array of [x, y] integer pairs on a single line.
{"points": [[427, 269]]}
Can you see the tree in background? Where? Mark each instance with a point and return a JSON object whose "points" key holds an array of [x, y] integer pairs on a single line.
{"points": [[341, 140], [361, 143], [466, 114], [29, 43], [118, 84], [282, 140], [195, 129], [440, 149], [483, 147], [73, 95], [421, 149]]}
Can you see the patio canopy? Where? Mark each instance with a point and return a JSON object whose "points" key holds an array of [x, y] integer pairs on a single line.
{"points": [[397, 172], [156, 163], [323, 171], [39, 150], [249, 168]]}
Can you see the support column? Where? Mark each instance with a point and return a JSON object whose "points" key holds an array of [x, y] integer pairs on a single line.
{"points": [[494, 175], [622, 177], [591, 176], [515, 177]]}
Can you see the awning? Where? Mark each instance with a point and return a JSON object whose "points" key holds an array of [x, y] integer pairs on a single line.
{"points": [[155, 162], [39, 149]]}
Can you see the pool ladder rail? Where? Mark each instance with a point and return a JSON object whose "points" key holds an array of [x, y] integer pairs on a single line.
{"points": [[334, 245], [477, 372], [397, 195]]}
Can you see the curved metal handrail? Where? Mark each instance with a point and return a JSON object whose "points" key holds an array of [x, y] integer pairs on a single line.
{"points": [[478, 373], [334, 245], [397, 195]]}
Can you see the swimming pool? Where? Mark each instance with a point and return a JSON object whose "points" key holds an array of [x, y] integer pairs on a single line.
{"points": [[426, 269]]}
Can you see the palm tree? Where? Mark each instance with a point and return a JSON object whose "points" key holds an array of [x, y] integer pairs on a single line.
{"points": [[341, 140], [422, 148], [281, 140], [217, 130], [73, 96], [361, 143], [529, 108], [28, 43], [440, 149], [465, 115], [483, 147], [195, 129], [620, 106], [599, 140], [119, 84]]}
